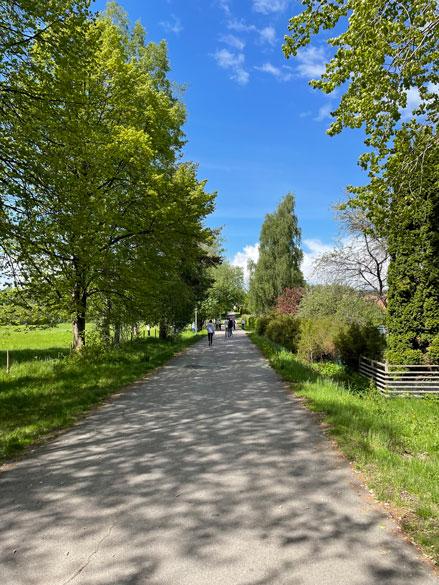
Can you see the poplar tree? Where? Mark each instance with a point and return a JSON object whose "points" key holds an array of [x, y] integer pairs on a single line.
{"points": [[280, 255]]}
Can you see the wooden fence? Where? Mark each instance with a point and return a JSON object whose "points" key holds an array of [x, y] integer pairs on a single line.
{"points": [[399, 379]]}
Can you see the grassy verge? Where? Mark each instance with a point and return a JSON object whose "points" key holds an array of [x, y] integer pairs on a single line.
{"points": [[394, 442], [47, 389]]}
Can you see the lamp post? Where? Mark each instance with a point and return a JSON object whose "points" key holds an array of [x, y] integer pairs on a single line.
{"points": [[196, 319]]}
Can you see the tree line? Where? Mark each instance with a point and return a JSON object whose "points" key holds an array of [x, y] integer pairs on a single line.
{"points": [[98, 214]]}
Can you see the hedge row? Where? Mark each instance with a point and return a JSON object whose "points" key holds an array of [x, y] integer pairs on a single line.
{"points": [[323, 338]]}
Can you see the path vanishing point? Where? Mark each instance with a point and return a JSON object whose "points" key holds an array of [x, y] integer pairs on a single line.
{"points": [[208, 472]]}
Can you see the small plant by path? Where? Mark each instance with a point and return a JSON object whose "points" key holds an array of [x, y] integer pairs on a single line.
{"points": [[393, 442], [47, 389]]}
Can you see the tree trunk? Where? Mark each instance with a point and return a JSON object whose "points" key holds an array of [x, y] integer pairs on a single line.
{"points": [[105, 328], [117, 333], [78, 325], [163, 330]]}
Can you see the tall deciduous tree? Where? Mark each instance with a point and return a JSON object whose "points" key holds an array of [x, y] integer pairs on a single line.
{"points": [[97, 204], [360, 259], [226, 290], [280, 255]]}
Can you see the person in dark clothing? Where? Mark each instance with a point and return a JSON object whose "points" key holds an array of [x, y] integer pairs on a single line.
{"points": [[229, 327]]}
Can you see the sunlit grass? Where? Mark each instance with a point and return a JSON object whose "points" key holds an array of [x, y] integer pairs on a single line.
{"points": [[393, 441], [47, 388]]}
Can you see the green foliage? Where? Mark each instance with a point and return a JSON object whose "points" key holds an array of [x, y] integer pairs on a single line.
{"points": [[433, 351], [359, 340], [392, 441], [17, 309], [317, 338], [284, 330], [339, 303], [226, 290], [98, 212], [413, 299], [387, 51], [262, 323], [280, 255]]}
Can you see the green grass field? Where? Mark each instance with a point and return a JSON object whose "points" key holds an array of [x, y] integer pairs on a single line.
{"points": [[394, 442], [47, 388]]}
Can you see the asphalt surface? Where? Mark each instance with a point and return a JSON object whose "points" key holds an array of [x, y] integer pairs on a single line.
{"points": [[206, 473]]}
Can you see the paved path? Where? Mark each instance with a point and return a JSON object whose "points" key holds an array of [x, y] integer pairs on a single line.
{"points": [[207, 473]]}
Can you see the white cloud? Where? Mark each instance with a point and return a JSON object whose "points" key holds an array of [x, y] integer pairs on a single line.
{"points": [[233, 41], [241, 259], [228, 60], [235, 63], [269, 6], [240, 25], [278, 73], [414, 99], [313, 249], [225, 7], [311, 62], [172, 27], [324, 112], [268, 35]]}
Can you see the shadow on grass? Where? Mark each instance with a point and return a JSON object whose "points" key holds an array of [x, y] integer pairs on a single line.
{"points": [[296, 371], [43, 395], [19, 356]]}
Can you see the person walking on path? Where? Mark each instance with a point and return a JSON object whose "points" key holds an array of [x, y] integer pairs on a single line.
{"points": [[210, 332], [243, 324], [230, 328]]}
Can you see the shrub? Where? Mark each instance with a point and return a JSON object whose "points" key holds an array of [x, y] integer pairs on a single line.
{"points": [[339, 303], [433, 351], [251, 322], [355, 340], [288, 302], [317, 339], [261, 324], [284, 329]]}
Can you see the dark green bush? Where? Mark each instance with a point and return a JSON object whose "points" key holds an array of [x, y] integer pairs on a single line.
{"points": [[284, 329], [433, 351], [356, 340]]}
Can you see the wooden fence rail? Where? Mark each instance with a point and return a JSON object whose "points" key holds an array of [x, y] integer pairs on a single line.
{"points": [[401, 379]]}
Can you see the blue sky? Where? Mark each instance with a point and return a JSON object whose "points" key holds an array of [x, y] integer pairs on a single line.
{"points": [[255, 126]]}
